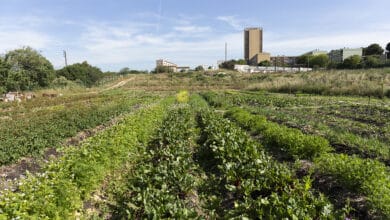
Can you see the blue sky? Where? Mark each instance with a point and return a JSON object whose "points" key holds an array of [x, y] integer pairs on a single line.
{"points": [[129, 33]]}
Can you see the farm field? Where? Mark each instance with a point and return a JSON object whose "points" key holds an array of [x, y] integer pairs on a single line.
{"points": [[212, 146]]}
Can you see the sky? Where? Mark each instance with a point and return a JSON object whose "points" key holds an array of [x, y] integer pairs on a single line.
{"points": [[134, 33]]}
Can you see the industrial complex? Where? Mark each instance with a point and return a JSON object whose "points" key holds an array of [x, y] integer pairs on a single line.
{"points": [[254, 55]]}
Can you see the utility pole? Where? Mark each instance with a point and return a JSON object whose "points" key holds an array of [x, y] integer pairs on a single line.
{"points": [[66, 60], [225, 51]]}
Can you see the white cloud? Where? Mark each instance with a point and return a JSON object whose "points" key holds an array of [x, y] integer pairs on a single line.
{"points": [[232, 21], [16, 33], [112, 45], [190, 29]]}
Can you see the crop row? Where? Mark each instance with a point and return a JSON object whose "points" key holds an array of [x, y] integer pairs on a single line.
{"points": [[343, 135], [163, 183], [349, 124], [254, 185], [60, 190], [27, 136], [365, 177], [287, 143]]}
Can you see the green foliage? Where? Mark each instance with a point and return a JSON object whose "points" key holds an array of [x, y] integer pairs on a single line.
{"points": [[245, 119], [4, 71], [182, 97], [372, 61], [230, 64], [213, 99], [25, 69], [258, 187], [84, 72], [58, 192], [373, 49], [265, 63], [241, 62], [317, 61], [164, 181], [47, 128], [368, 177], [126, 71], [352, 62], [304, 60], [321, 61], [288, 143], [199, 68]]}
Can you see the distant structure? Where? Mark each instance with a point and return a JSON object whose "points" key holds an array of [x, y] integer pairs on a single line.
{"points": [[165, 63], [253, 46], [338, 56], [284, 60], [182, 69], [172, 66], [269, 69]]}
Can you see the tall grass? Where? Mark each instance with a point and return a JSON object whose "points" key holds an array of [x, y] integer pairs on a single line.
{"points": [[373, 82]]}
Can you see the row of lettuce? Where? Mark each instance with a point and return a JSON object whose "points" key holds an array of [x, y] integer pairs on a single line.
{"points": [[32, 129]]}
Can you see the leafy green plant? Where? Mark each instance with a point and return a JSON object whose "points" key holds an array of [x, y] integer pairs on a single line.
{"points": [[59, 191], [258, 186], [288, 143], [164, 181], [364, 176]]}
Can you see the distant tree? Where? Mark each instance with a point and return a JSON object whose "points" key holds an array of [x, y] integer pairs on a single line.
{"points": [[352, 62], [265, 63], [320, 61], [28, 69], [4, 70], [373, 49], [372, 61], [388, 50], [199, 68], [241, 62], [228, 64], [124, 71], [304, 60], [83, 72]]}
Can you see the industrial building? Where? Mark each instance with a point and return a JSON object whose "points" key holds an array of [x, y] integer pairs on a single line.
{"points": [[253, 46], [338, 56], [284, 60]]}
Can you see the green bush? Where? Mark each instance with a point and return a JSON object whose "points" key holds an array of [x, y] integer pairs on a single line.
{"points": [[84, 72]]}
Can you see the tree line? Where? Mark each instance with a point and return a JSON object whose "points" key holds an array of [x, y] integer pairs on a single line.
{"points": [[26, 69]]}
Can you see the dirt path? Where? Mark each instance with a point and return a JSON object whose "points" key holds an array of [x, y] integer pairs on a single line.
{"points": [[119, 84]]}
